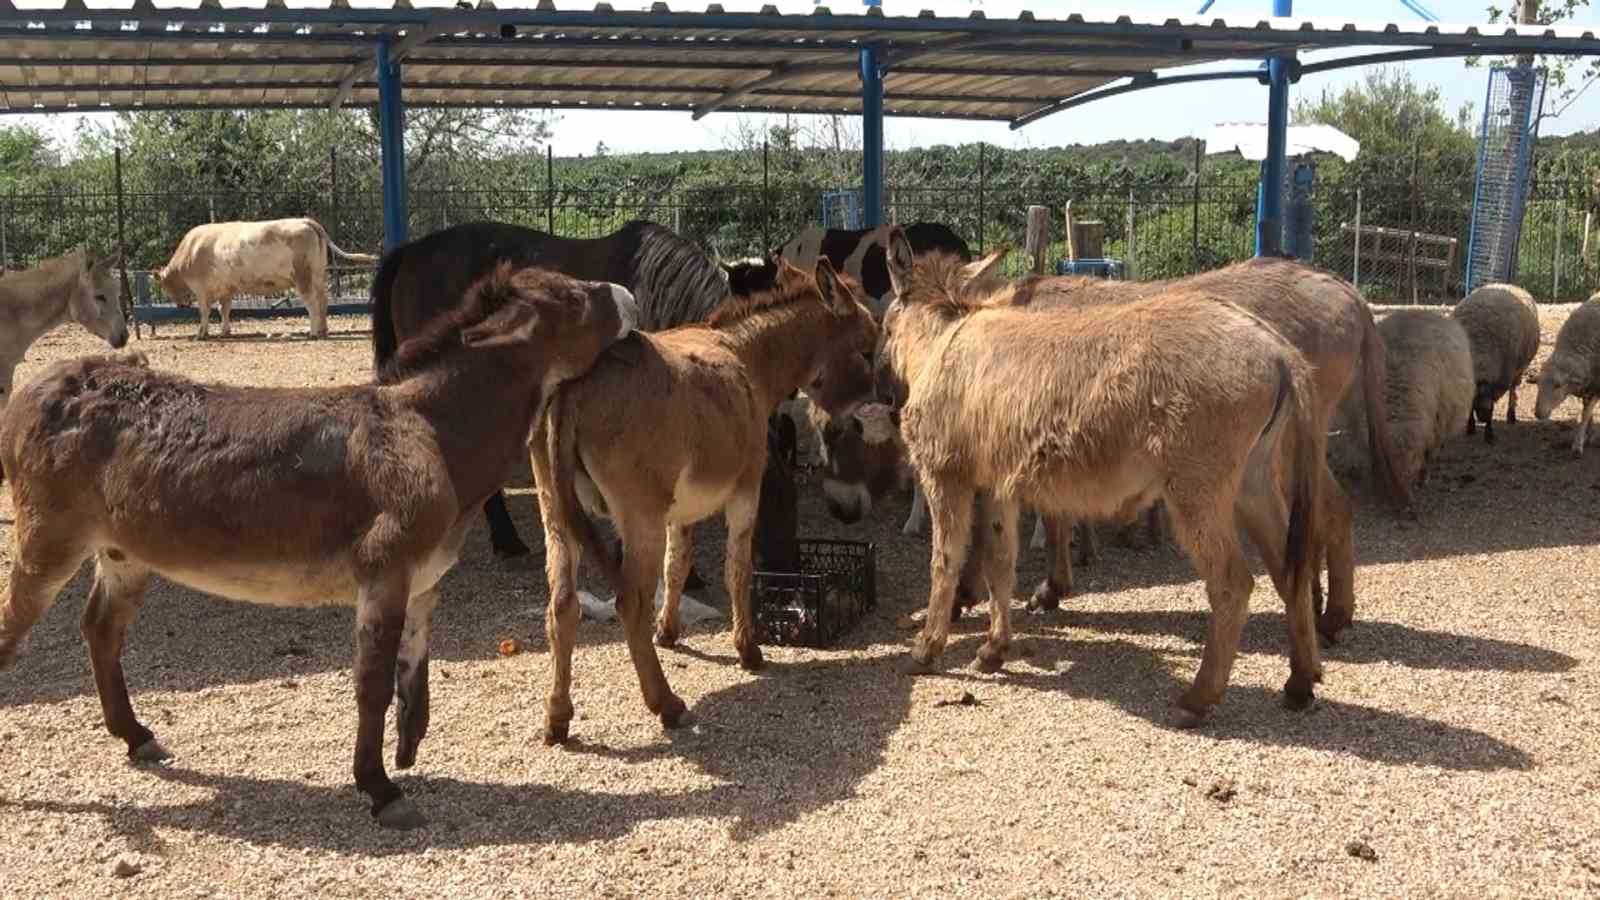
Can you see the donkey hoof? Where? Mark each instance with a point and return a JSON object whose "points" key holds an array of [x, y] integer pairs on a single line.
{"points": [[556, 733], [1045, 599], [405, 757], [675, 713], [149, 751], [751, 660], [989, 661], [1187, 717], [1297, 693], [666, 640], [401, 815]]}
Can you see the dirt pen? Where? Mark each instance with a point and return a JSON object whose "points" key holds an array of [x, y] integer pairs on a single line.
{"points": [[1452, 750]]}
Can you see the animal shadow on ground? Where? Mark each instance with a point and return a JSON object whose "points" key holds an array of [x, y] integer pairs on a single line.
{"points": [[760, 739], [1145, 683]]}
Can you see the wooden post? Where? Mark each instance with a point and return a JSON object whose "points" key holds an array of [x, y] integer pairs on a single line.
{"points": [[1038, 237], [1072, 236], [549, 189], [1132, 265], [122, 250]]}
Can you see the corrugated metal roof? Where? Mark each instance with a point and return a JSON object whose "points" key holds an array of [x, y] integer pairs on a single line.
{"points": [[1014, 67]]}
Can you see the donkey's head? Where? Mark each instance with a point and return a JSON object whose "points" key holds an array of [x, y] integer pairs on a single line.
{"points": [[842, 379], [863, 457], [931, 293], [95, 302], [562, 320], [748, 277]]}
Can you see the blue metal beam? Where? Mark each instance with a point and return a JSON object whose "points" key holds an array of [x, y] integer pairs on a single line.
{"points": [[1269, 204], [392, 143], [1138, 84], [871, 137]]}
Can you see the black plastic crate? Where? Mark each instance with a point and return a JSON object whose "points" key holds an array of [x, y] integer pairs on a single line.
{"points": [[836, 585]]}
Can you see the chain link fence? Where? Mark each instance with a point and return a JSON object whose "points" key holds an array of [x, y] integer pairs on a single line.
{"points": [[1400, 239]]}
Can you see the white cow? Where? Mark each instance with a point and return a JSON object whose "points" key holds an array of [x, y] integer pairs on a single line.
{"points": [[217, 262]]}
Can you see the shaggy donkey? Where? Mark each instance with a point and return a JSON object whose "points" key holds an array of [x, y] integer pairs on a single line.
{"points": [[348, 495], [1332, 327], [75, 287], [667, 429], [1088, 412]]}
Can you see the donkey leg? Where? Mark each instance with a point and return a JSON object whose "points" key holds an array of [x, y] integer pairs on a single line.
{"points": [[1088, 540], [1000, 570], [1338, 530], [740, 514], [950, 507], [411, 679], [680, 550], [1265, 517], [1206, 530], [503, 535], [44, 563], [643, 544], [1057, 583], [917, 520], [380, 625], [971, 587], [113, 602]]}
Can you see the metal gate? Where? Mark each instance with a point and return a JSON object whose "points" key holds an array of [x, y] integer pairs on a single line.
{"points": [[1505, 155]]}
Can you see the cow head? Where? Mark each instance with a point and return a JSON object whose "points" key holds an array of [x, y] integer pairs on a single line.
{"points": [[96, 302], [173, 287]]}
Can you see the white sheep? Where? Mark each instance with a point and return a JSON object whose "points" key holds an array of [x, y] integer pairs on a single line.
{"points": [[1573, 369], [1428, 389], [1502, 324]]}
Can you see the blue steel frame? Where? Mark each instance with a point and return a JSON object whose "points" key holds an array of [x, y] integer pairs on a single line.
{"points": [[392, 144], [872, 131], [1523, 155], [1269, 204]]}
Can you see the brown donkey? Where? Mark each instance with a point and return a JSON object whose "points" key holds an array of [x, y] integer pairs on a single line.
{"points": [[1322, 317], [1090, 412], [667, 429], [302, 497]]}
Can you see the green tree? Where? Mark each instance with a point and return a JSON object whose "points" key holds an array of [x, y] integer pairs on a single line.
{"points": [[1567, 75]]}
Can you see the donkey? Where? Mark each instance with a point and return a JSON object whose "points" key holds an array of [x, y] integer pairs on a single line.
{"points": [[667, 430], [1322, 317], [352, 495], [674, 282], [1092, 411], [74, 287]]}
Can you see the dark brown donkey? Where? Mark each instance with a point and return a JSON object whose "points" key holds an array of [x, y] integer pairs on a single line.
{"points": [[291, 497]]}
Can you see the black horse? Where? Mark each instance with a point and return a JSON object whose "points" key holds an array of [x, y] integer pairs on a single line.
{"points": [[673, 282]]}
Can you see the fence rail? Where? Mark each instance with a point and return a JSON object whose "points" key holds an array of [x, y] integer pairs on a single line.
{"points": [[1159, 229]]}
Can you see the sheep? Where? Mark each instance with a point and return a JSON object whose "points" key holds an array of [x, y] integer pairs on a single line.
{"points": [[1573, 368], [1428, 388], [1502, 324]]}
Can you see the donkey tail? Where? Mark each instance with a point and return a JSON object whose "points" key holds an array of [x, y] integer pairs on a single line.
{"points": [[566, 510], [1380, 445], [384, 340]]}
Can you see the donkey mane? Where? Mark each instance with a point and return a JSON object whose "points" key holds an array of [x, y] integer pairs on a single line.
{"points": [[505, 284], [683, 284], [786, 290], [937, 281]]}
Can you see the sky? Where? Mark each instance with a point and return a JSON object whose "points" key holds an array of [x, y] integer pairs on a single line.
{"points": [[1164, 113]]}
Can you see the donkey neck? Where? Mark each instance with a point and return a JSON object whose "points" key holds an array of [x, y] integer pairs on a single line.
{"points": [[481, 406], [782, 347], [36, 300]]}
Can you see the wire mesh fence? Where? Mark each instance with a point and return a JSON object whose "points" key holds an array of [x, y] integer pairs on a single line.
{"points": [[1401, 239]]}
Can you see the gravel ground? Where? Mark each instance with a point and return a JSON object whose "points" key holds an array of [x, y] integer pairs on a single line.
{"points": [[1452, 750]]}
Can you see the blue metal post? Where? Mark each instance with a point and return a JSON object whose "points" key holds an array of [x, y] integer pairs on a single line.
{"points": [[392, 142], [1269, 203], [871, 137]]}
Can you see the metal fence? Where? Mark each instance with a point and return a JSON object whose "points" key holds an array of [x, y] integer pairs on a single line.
{"points": [[1412, 231]]}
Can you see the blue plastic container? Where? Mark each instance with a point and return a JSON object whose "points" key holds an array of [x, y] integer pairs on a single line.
{"points": [[1099, 268]]}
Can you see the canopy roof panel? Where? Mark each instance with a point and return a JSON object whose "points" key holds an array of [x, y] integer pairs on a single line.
{"points": [[1014, 68]]}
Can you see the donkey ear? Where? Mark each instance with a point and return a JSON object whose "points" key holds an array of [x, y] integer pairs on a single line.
{"points": [[986, 267], [512, 325], [834, 294], [901, 260]]}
